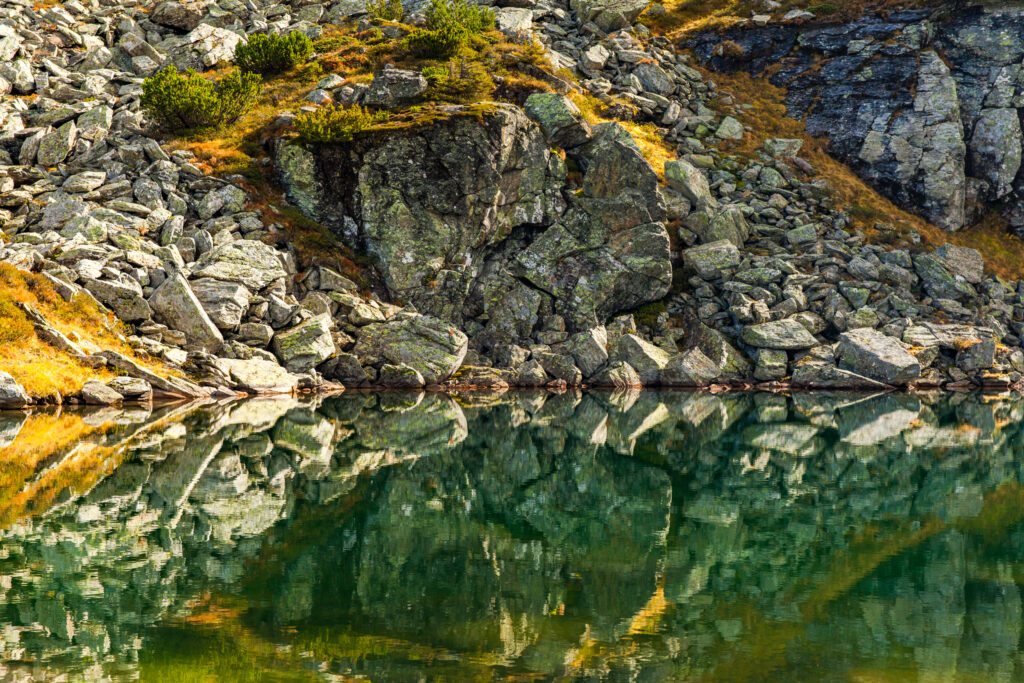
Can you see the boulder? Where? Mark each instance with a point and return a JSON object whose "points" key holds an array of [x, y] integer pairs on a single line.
{"points": [[248, 262], [560, 119], [963, 262], [617, 374], [647, 359], [133, 389], [176, 15], [432, 347], [258, 376], [392, 88], [97, 393], [560, 366], [690, 369], [609, 15], [177, 307], [711, 261], [995, 149], [785, 335], [689, 181], [400, 376], [55, 146], [11, 393], [590, 350], [124, 298], [303, 347], [872, 354], [203, 48], [812, 374], [224, 302]]}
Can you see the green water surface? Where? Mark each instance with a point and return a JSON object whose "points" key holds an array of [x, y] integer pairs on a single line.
{"points": [[532, 537]]}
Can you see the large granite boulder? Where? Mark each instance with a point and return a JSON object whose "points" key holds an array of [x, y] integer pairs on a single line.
{"points": [[609, 15], [879, 357], [430, 346], [303, 347], [11, 393], [176, 305], [247, 262]]}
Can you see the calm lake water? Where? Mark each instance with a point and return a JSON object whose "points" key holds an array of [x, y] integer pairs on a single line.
{"points": [[523, 537]]}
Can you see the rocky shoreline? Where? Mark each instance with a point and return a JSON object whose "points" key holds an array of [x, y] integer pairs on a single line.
{"points": [[528, 246]]}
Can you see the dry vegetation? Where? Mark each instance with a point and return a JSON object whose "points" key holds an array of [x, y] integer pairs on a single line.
{"points": [[44, 371], [867, 208], [686, 16]]}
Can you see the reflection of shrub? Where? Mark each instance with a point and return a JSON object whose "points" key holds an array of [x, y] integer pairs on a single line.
{"points": [[458, 81], [385, 10], [468, 15], [438, 44], [267, 54], [181, 102], [335, 124]]}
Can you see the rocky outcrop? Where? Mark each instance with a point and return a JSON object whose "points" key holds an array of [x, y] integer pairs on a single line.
{"points": [[489, 235], [924, 104]]}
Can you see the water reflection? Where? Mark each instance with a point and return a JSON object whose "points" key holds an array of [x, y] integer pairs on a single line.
{"points": [[582, 537]]}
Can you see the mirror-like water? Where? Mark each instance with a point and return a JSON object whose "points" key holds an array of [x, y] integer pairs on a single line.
{"points": [[526, 537]]}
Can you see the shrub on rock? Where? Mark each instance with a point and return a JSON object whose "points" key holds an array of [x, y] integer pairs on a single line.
{"points": [[185, 101], [269, 54], [458, 81], [335, 124], [450, 23], [385, 10]]}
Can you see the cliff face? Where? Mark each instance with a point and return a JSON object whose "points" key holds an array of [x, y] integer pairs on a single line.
{"points": [[925, 104]]}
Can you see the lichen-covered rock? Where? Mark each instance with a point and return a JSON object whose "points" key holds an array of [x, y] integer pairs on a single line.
{"points": [[647, 359], [711, 260], [995, 150], [248, 262], [690, 369], [559, 119], [688, 181], [617, 374], [306, 345], [400, 376], [224, 302], [872, 354], [432, 347], [393, 88], [124, 298], [203, 48], [258, 376], [590, 349], [785, 335], [99, 394], [177, 306], [296, 166], [609, 15], [560, 366]]}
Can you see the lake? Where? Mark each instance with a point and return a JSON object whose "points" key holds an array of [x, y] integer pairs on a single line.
{"points": [[653, 536]]}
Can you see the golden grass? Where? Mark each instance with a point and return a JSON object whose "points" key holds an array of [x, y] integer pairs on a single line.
{"points": [[866, 206], [651, 143], [44, 371]]}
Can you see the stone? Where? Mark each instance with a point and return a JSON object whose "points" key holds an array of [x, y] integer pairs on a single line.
{"points": [[124, 299], [771, 365], [589, 349], [431, 346], [730, 129], [963, 262], [296, 166], [938, 280], [783, 147], [690, 369], [608, 15], [303, 347], [654, 79], [132, 389], [711, 261], [515, 22], [97, 393], [995, 150], [647, 359], [11, 394], [224, 302], [560, 366], [875, 355], [785, 335], [86, 181], [400, 376], [259, 376], [595, 57], [55, 146], [820, 375], [560, 120], [619, 375], [248, 262], [203, 48], [392, 88], [176, 15], [976, 357], [176, 306], [689, 181]]}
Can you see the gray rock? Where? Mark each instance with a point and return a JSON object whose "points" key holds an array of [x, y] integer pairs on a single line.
{"points": [[99, 394], [248, 262], [609, 15], [689, 181], [963, 262], [712, 260], [995, 149], [259, 376], [877, 356], [589, 349], [434, 348], [617, 374], [392, 88], [559, 118], [647, 359], [224, 302], [177, 307], [690, 369], [11, 393], [132, 389], [122, 298], [785, 335], [400, 377], [560, 366], [306, 345]]}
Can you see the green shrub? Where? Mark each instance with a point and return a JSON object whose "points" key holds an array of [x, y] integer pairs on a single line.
{"points": [[441, 43], [268, 54], [459, 81], [385, 10], [462, 13], [182, 102], [335, 124]]}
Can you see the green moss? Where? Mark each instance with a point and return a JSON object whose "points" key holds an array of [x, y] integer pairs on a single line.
{"points": [[647, 314]]}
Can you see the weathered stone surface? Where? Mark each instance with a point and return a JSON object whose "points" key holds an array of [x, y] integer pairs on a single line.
{"points": [[609, 15], [248, 262], [11, 393], [259, 376], [400, 376], [963, 262], [123, 298], [177, 307], [306, 345], [647, 359], [560, 366], [617, 374], [785, 335], [296, 166], [872, 354], [432, 347], [559, 119], [819, 375], [393, 88], [176, 15], [589, 349], [224, 302], [690, 369], [995, 150], [710, 261], [689, 181], [99, 394], [203, 48], [133, 389]]}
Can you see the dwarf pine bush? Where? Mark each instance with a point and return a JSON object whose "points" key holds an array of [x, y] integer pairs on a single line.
{"points": [[185, 101], [268, 54], [459, 81], [385, 10], [336, 124], [450, 23]]}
